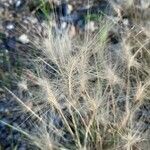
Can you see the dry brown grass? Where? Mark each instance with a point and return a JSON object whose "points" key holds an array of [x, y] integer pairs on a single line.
{"points": [[92, 100]]}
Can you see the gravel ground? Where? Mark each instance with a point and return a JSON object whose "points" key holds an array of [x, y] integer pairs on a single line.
{"points": [[17, 16]]}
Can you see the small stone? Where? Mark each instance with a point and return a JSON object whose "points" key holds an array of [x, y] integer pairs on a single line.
{"points": [[63, 25], [10, 27], [19, 4], [90, 26], [70, 8], [24, 39], [126, 22]]}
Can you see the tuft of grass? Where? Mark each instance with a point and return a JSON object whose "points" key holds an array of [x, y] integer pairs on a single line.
{"points": [[85, 94]]}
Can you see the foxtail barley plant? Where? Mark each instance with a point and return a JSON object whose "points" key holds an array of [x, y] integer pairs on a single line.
{"points": [[85, 92]]}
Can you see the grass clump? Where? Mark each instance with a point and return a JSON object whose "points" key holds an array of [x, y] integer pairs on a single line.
{"points": [[86, 92]]}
